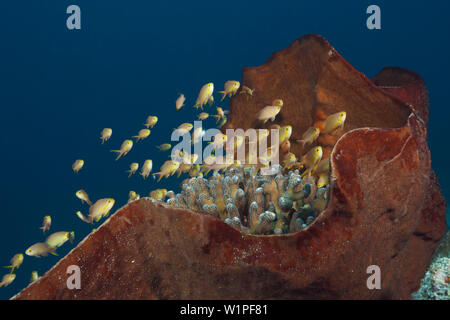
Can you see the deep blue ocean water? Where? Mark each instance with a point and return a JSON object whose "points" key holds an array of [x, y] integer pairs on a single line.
{"points": [[59, 88]]}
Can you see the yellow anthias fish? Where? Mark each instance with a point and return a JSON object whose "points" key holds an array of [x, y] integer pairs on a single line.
{"points": [[7, 279], [82, 217], [39, 249], [203, 116], [158, 194], [220, 114], [323, 180], [105, 134], [221, 123], [133, 168], [312, 158], [164, 147], [100, 209], [83, 196], [142, 134], [211, 100], [277, 102], [247, 91], [205, 94], [151, 121], [230, 88], [217, 165], [285, 134], [124, 148], [184, 167], [184, 128], [133, 196], [309, 136], [334, 122], [177, 155], [323, 166], [180, 101], [146, 168], [289, 160], [77, 165], [195, 171], [46, 224], [269, 112], [57, 239], [190, 158], [34, 276], [187, 163], [16, 261], [167, 169]]}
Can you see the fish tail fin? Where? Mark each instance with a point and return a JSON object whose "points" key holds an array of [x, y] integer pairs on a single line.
{"points": [[302, 143], [117, 151], [89, 202], [224, 94], [53, 252], [158, 173], [198, 105]]}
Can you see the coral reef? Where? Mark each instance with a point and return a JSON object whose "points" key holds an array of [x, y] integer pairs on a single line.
{"points": [[384, 208], [436, 283], [254, 203]]}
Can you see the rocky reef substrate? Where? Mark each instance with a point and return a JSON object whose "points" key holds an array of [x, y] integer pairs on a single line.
{"points": [[436, 283], [385, 205]]}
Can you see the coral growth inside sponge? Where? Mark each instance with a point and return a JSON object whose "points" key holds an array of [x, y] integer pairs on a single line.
{"points": [[255, 203]]}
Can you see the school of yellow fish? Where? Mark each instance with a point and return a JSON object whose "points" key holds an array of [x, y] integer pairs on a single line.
{"points": [[310, 163]]}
